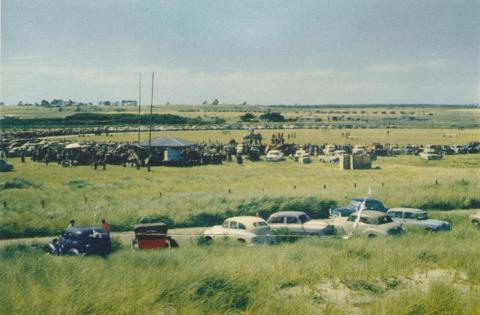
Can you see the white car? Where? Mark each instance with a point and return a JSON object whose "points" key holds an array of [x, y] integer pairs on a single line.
{"points": [[274, 156], [305, 158], [359, 149], [417, 217], [329, 149], [249, 230], [372, 224], [430, 154], [299, 223], [475, 218]]}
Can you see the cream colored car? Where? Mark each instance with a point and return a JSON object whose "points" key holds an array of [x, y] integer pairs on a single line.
{"points": [[371, 224], [249, 230], [475, 218]]}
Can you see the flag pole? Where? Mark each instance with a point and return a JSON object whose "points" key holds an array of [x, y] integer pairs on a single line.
{"points": [[150, 128]]}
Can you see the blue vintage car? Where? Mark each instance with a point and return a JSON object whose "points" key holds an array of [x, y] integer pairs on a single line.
{"points": [[4, 166], [419, 218], [370, 204], [81, 241]]}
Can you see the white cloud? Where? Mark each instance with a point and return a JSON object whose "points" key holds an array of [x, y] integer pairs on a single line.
{"points": [[30, 78], [407, 67]]}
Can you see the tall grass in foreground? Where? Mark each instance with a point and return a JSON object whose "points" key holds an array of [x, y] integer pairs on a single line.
{"points": [[380, 276]]}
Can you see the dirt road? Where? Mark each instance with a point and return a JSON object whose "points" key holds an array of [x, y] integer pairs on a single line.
{"points": [[180, 235]]}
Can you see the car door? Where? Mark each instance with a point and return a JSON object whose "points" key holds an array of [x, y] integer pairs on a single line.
{"points": [[277, 222], [233, 229], [409, 218], [294, 225], [396, 216]]}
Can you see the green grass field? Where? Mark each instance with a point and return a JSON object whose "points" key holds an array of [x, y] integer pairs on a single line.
{"points": [[417, 273], [49, 196], [313, 136]]}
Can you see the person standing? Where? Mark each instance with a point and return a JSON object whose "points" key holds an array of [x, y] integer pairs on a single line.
{"points": [[72, 224], [106, 226]]}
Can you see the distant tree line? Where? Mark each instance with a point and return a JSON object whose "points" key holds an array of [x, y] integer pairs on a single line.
{"points": [[96, 119]]}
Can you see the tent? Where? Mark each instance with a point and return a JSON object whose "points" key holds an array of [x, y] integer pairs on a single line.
{"points": [[168, 142], [73, 146]]}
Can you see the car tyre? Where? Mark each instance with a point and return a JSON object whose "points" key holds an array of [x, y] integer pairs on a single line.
{"points": [[49, 248], [476, 223], [73, 252], [371, 236]]}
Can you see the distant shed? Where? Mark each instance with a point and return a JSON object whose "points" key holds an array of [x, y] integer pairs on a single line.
{"points": [[171, 146]]}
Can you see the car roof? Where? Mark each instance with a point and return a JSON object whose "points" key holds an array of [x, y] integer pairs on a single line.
{"points": [[83, 229], [149, 225], [370, 213], [362, 199], [292, 213], [411, 210], [245, 219]]}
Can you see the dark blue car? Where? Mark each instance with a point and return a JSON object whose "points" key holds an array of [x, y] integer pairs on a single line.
{"points": [[370, 204], [81, 241]]}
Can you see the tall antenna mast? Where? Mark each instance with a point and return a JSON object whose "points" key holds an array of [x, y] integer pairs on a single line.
{"points": [[150, 128], [139, 103]]}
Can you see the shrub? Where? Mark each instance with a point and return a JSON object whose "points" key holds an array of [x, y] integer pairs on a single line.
{"points": [[116, 244], [284, 235], [19, 183], [272, 116], [218, 292], [77, 184]]}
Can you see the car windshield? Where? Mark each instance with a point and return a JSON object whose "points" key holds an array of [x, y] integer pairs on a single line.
{"points": [[422, 216]]}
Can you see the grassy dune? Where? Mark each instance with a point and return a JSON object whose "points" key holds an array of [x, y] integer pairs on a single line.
{"points": [[47, 197], [418, 273]]}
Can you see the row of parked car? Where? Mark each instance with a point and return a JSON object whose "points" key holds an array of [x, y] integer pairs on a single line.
{"points": [[373, 220]]}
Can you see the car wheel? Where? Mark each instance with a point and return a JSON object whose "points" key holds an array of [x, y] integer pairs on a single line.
{"points": [[73, 252], [134, 244], [241, 241], [49, 248], [476, 223], [208, 238], [372, 236]]}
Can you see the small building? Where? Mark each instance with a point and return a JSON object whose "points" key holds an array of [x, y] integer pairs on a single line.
{"points": [[168, 147], [355, 161]]}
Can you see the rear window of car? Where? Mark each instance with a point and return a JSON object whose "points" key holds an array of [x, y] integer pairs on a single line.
{"points": [[259, 224]]}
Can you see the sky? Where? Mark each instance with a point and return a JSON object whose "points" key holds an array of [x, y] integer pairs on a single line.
{"points": [[261, 52]]}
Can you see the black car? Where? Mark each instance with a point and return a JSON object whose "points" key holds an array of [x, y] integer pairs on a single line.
{"points": [[81, 241], [370, 204]]}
